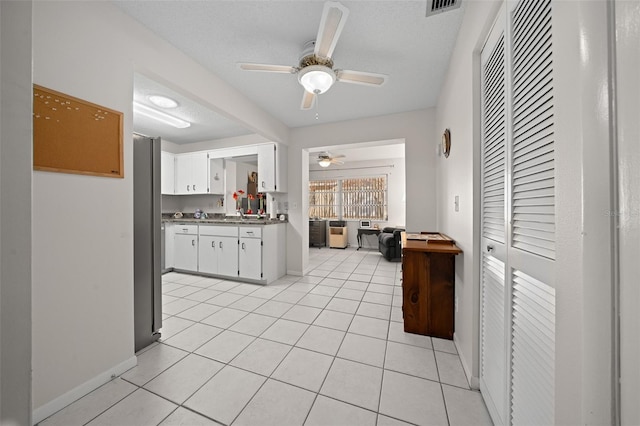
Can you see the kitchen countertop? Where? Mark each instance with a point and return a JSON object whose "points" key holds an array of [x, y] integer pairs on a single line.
{"points": [[227, 221]]}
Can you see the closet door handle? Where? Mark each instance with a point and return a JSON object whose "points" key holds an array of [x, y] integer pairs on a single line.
{"points": [[489, 248]]}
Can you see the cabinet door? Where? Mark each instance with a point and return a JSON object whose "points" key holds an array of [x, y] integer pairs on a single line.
{"points": [[167, 173], [186, 252], [267, 167], [216, 176], [169, 241], [208, 254], [250, 258], [199, 173], [227, 256], [183, 174]]}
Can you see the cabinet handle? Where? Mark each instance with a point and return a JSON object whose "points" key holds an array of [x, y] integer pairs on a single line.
{"points": [[263, 185], [220, 244], [213, 244], [489, 247], [187, 188], [242, 246], [193, 242], [185, 229], [194, 187]]}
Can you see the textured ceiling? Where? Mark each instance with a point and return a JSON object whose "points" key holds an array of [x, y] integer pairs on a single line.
{"points": [[389, 37], [205, 124]]}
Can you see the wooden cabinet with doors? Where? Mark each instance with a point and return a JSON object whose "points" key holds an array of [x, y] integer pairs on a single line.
{"points": [[428, 284]]}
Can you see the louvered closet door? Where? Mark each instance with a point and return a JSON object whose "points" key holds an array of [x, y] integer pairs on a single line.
{"points": [[532, 214], [493, 343], [517, 354]]}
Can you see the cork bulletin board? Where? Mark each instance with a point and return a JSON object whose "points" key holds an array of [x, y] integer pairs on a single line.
{"points": [[71, 135]]}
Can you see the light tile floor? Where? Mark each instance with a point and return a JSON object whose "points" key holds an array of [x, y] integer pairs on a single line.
{"points": [[324, 349]]}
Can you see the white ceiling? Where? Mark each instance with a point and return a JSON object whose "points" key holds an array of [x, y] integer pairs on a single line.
{"points": [[388, 37], [205, 124]]}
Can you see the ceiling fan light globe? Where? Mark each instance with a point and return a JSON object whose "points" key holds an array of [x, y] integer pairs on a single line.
{"points": [[316, 79], [324, 162]]}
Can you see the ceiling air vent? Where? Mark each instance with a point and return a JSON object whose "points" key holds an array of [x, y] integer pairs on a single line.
{"points": [[438, 6]]}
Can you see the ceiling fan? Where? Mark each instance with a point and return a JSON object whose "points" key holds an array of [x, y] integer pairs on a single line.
{"points": [[326, 159], [315, 69]]}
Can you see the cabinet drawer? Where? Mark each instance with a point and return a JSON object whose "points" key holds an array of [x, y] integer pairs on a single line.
{"points": [[219, 231], [251, 232], [181, 228]]}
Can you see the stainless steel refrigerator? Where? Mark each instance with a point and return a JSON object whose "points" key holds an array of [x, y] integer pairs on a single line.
{"points": [[147, 283]]}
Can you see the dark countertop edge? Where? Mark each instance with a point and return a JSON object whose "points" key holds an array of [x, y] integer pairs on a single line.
{"points": [[248, 222]]}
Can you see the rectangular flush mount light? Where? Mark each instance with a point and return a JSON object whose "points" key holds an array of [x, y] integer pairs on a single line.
{"points": [[138, 108]]}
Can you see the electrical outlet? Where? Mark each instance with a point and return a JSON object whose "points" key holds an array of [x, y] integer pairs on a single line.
{"points": [[456, 203]]}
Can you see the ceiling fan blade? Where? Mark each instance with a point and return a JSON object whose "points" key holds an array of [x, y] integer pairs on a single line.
{"points": [[334, 16], [338, 156], [334, 161], [267, 68], [308, 100], [361, 77]]}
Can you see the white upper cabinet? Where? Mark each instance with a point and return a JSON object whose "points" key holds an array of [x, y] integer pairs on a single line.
{"points": [[272, 168], [192, 173], [167, 172], [216, 176]]}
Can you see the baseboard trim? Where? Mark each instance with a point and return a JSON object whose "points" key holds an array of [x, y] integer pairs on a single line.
{"points": [[51, 407], [474, 382], [295, 273]]}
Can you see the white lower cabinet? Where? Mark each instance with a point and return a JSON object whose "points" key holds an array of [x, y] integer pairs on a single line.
{"points": [[169, 241], [218, 250], [250, 253], [185, 255]]}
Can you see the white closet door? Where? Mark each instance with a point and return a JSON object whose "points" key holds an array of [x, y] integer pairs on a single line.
{"points": [[532, 214], [517, 354], [493, 340]]}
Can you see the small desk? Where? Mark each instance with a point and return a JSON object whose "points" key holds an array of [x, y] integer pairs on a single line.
{"points": [[366, 231]]}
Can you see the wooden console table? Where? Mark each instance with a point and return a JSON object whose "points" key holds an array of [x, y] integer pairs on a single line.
{"points": [[428, 284]]}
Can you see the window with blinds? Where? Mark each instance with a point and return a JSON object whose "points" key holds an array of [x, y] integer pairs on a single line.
{"points": [[364, 198], [353, 198], [324, 198]]}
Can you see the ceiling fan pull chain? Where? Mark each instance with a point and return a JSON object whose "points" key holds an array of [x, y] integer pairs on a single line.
{"points": [[317, 101]]}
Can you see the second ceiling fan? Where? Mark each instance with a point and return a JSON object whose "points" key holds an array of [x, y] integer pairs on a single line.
{"points": [[315, 69]]}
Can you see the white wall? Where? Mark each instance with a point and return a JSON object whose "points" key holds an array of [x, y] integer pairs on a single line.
{"points": [[83, 225], [583, 271], [416, 128], [189, 203], [628, 210], [15, 212], [458, 174], [395, 171], [253, 139]]}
